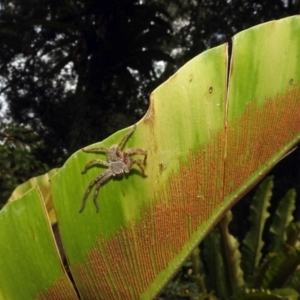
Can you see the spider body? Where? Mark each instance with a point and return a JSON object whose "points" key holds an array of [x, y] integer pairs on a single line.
{"points": [[118, 164]]}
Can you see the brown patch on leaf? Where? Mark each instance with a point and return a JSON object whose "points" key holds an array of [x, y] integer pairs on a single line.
{"points": [[124, 266], [60, 290], [258, 134], [150, 112]]}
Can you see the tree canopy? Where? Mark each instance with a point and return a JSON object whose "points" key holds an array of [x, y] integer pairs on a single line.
{"points": [[72, 72]]}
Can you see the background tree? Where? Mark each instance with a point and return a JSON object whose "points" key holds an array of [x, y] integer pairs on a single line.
{"points": [[18, 149], [73, 72]]}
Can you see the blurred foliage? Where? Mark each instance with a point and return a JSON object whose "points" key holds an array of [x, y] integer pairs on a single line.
{"points": [[76, 71], [72, 69], [17, 157]]}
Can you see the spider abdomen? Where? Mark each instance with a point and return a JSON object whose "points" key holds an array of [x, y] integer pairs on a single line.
{"points": [[118, 167]]}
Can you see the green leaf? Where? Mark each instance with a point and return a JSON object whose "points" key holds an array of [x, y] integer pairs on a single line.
{"points": [[253, 243], [294, 280], [43, 183], [217, 277], [262, 294], [280, 268], [222, 258], [231, 253], [30, 266], [261, 81], [131, 240], [207, 145], [293, 234], [281, 220]]}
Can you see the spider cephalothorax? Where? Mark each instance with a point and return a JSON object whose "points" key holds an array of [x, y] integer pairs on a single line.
{"points": [[118, 164]]}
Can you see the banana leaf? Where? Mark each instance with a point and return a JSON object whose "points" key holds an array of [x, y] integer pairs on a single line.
{"points": [[213, 130]]}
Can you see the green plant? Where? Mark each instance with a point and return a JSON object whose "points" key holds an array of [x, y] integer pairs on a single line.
{"points": [[208, 136]]}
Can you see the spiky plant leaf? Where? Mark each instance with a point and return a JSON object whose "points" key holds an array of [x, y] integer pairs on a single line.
{"points": [[294, 280], [282, 219], [280, 267], [263, 294], [253, 243], [231, 253], [293, 234], [217, 276]]}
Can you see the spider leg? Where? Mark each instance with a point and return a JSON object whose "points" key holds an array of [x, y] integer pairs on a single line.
{"points": [[139, 163], [92, 183], [97, 188], [98, 180], [136, 151], [96, 149], [95, 162], [126, 136]]}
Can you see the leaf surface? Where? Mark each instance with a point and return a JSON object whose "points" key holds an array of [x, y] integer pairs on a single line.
{"points": [[30, 266], [205, 149]]}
